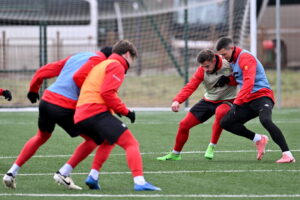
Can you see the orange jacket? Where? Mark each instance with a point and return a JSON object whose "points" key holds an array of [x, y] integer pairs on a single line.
{"points": [[99, 91]]}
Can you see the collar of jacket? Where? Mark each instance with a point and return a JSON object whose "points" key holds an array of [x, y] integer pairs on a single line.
{"points": [[237, 52], [121, 59]]}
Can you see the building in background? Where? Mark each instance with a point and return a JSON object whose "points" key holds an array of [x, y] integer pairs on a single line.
{"points": [[167, 33]]}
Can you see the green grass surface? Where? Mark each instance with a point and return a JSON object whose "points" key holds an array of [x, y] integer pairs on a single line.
{"points": [[234, 171], [154, 90]]}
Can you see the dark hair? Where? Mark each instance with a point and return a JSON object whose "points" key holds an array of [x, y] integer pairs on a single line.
{"points": [[223, 43], [205, 55], [123, 46], [107, 50]]}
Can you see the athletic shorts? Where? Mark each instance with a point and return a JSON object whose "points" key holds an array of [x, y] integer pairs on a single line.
{"points": [[51, 114], [203, 110], [103, 126], [247, 111]]}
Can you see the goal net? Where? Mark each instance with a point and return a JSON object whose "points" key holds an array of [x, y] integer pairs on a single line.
{"points": [[167, 33]]}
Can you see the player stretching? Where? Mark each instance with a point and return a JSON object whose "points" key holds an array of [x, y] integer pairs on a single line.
{"points": [[254, 99], [57, 106], [215, 73], [97, 100]]}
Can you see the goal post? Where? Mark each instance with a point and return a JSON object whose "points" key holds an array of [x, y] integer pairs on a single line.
{"points": [[168, 34]]}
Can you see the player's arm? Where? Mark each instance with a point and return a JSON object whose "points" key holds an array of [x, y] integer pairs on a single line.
{"points": [[114, 77], [47, 71], [188, 89], [84, 70], [248, 65], [232, 81]]}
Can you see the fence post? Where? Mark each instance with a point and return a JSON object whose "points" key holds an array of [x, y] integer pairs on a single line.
{"points": [[186, 48]]}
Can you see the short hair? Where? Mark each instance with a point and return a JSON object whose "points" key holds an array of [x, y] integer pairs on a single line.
{"points": [[205, 55], [223, 43], [123, 46]]}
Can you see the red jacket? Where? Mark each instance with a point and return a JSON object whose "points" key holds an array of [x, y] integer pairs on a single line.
{"points": [[248, 65], [52, 70]]}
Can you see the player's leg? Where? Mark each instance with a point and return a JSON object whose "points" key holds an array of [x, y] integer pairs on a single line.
{"points": [[234, 122], [134, 161], [199, 113], [46, 127], [100, 157], [264, 107], [80, 153], [29, 149], [98, 128], [64, 118], [221, 110], [105, 126], [182, 136]]}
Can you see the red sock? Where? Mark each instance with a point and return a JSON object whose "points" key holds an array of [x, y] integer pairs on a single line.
{"points": [[102, 155], [184, 129], [133, 156], [216, 128], [31, 146], [82, 151]]}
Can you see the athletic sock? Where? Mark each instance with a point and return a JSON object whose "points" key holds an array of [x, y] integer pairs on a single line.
{"points": [[66, 170], [139, 180], [175, 152], [94, 174], [184, 129], [82, 151], [31, 146], [133, 155], [14, 169], [257, 137], [216, 127], [102, 155]]}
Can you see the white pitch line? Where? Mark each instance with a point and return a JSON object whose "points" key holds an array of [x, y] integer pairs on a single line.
{"points": [[176, 172], [153, 153], [157, 195], [140, 109]]}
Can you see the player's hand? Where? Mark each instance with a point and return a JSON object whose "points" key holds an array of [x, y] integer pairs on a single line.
{"points": [[107, 51], [7, 95], [131, 116], [175, 106], [222, 81], [33, 96]]}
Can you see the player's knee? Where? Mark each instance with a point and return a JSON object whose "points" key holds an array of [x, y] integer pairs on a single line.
{"points": [[132, 144], [265, 120], [224, 123], [265, 117], [184, 125], [127, 140], [135, 143], [221, 111], [43, 136]]}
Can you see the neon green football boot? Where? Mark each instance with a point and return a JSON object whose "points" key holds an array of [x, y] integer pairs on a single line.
{"points": [[170, 156], [209, 154]]}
